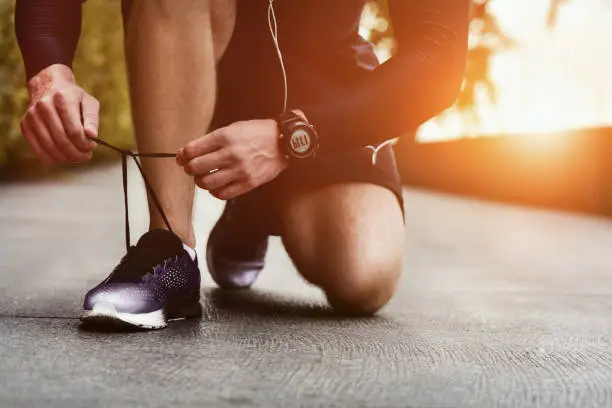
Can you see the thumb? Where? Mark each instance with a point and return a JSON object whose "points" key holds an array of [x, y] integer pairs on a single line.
{"points": [[90, 108]]}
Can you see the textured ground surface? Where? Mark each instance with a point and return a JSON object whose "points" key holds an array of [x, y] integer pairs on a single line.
{"points": [[498, 306]]}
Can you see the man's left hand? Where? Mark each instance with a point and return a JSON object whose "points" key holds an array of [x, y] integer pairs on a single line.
{"points": [[236, 159]]}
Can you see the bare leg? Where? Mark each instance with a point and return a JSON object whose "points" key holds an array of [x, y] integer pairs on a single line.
{"points": [[171, 52], [347, 239]]}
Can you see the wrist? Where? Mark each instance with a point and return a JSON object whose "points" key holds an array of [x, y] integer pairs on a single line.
{"points": [[47, 77]]}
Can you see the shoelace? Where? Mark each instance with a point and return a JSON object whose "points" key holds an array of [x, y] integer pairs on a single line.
{"points": [[125, 153], [135, 265]]}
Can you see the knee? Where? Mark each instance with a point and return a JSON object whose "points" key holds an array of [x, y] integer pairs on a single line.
{"points": [[214, 19], [361, 287], [223, 22], [174, 11]]}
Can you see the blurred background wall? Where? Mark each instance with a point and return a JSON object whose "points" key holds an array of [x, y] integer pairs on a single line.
{"points": [[532, 124]]}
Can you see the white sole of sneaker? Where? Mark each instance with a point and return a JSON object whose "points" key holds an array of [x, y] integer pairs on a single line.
{"points": [[105, 314]]}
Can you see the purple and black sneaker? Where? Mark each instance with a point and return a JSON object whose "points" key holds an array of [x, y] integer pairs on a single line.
{"points": [[236, 250], [156, 281]]}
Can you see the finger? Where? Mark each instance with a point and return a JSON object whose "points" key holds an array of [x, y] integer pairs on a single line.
{"points": [[90, 110], [203, 165], [32, 140], [44, 137], [58, 133], [69, 110], [216, 180], [231, 190], [201, 146]]}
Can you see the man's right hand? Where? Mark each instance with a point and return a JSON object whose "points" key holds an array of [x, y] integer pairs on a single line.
{"points": [[60, 116]]}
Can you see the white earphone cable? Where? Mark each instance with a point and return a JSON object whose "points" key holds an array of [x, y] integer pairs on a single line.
{"points": [[274, 32]]}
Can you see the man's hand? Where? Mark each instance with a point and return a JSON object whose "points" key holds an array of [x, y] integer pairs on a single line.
{"points": [[236, 159], [59, 117]]}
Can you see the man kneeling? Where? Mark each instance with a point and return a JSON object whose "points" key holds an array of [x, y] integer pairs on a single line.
{"points": [[278, 107]]}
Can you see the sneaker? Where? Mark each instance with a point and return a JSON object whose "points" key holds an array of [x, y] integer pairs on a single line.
{"points": [[235, 253], [155, 282]]}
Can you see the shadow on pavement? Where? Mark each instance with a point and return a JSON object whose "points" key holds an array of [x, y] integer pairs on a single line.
{"points": [[252, 302], [219, 304], [109, 327]]}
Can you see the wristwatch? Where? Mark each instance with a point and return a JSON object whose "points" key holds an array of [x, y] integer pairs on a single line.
{"points": [[298, 139]]}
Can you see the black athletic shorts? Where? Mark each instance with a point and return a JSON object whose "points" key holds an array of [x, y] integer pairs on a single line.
{"points": [[250, 86]]}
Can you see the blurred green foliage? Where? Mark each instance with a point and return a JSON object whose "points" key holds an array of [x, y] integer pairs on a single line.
{"points": [[382, 35], [99, 68], [13, 96]]}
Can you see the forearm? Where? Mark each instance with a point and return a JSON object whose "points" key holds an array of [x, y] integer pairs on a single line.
{"points": [[48, 32], [415, 85]]}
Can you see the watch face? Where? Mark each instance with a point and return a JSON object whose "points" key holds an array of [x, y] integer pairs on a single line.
{"points": [[299, 139], [301, 143]]}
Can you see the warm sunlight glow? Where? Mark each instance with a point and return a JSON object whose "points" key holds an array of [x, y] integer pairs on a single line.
{"points": [[551, 80]]}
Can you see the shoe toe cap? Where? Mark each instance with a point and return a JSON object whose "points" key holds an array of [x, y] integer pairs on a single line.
{"points": [[230, 273], [126, 298]]}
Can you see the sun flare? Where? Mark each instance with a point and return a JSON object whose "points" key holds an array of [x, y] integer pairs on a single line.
{"points": [[553, 80]]}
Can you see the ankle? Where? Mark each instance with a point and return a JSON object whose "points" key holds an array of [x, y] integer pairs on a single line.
{"points": [[190, 241], [187, 237]]}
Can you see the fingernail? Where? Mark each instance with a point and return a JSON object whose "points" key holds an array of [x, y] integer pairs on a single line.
{"points": [[91, 131]]}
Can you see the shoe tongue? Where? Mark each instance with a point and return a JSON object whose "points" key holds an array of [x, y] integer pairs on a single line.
{"points": [[152, 249], [164, 244]]}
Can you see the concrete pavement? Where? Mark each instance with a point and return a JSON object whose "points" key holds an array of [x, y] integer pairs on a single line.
{"points": [[498, 307]]}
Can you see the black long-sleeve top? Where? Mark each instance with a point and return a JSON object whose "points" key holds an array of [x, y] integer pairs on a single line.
{"points": [[420, 81]]}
